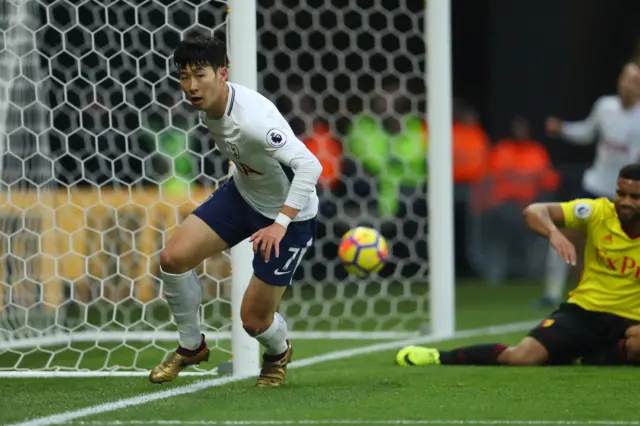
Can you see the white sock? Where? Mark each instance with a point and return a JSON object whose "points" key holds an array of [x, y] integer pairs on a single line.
{"points": [[184, 295], [557, 271], [274, 339]]}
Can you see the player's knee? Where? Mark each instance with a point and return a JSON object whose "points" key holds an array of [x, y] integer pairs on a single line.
{"points": [[526, 353], [259, 305], [255, 325], [171, 262], [256, 318], [632, 346], [633, 332]]}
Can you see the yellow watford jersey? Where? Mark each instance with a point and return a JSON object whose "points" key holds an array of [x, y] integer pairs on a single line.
{"points": [[611, 278]]}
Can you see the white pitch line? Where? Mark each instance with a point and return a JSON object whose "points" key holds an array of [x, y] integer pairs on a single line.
{"points": [[205, 384], [66, 374], [353, 422]]}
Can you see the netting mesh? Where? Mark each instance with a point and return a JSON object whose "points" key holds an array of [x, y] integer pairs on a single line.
{"points": [[358, 68], [101, 159]]}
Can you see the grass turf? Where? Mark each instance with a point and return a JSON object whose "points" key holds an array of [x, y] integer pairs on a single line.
{"points": [[365, 388]]}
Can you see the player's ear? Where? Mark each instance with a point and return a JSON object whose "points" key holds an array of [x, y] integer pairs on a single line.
{"points": [[224, 73]]}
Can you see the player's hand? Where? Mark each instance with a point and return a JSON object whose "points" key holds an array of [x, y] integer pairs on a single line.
{"points": [[563, 246], [268, 238], [553, 126]]}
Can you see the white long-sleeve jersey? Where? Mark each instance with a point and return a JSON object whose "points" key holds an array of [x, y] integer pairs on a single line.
{"points": [[272, 166], [618, 143]]}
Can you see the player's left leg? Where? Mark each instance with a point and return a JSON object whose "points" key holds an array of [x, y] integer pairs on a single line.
{"points": [[261, 320], [216, 224], [528, 352], [260, 303]]}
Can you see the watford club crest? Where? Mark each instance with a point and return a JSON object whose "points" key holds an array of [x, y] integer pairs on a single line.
{"points": [[547, 323]]}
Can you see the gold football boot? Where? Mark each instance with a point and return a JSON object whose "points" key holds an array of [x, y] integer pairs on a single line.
{"points": [[273, 372], [169, 369]]}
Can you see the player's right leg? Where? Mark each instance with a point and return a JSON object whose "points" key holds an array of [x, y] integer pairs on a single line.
{"points": [[216, 224], [193, 242], [528, 352], [261, 300], [261, 320]]}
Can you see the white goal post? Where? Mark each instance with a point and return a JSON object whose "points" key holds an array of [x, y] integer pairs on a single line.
{"points": [[100, 160], [440, 107], [243, 55]]}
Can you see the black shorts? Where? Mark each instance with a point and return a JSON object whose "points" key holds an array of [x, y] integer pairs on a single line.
{"points": [[571, 332], [234, 220]]}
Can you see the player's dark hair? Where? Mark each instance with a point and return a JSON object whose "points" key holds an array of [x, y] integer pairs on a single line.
{"points": [[201, 51], [630, 171]]}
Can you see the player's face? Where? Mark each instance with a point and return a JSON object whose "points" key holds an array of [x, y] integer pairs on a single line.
{"points": [[629, 83], [203, 86], [627, 201]]}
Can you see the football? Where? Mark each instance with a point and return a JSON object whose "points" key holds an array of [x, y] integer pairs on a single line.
{"points": [[363, 251]]}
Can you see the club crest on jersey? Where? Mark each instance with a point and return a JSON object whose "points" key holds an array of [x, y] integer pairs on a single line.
{"points": [[276, 138], [233, 149], [547, 323], [582, 210]]}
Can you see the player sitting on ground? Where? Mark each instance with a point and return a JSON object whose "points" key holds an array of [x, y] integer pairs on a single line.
{"points": [[271, 198], [599, 323]]}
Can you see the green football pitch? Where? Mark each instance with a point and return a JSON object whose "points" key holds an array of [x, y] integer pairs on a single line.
{"points": [[354, 383]]}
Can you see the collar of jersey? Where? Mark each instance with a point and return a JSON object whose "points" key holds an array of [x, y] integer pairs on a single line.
{"points": [[614, 226], [230, 98]]}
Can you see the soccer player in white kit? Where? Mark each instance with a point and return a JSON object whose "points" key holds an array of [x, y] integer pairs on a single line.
{"points": [[616, 121], [270, 198]]}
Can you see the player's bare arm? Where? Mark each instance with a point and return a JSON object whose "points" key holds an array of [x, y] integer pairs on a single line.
{"points": [[545, 219], [553, 126], [577, 132]]}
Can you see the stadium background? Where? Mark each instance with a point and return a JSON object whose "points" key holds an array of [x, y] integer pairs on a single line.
{"points": [[527, 59]]}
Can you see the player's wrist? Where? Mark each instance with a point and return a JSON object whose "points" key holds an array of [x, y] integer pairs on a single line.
{"points": [[551, 231], [283, 219]]}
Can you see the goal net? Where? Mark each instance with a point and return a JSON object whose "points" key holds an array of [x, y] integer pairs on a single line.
{"points": [[100, 160]]}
